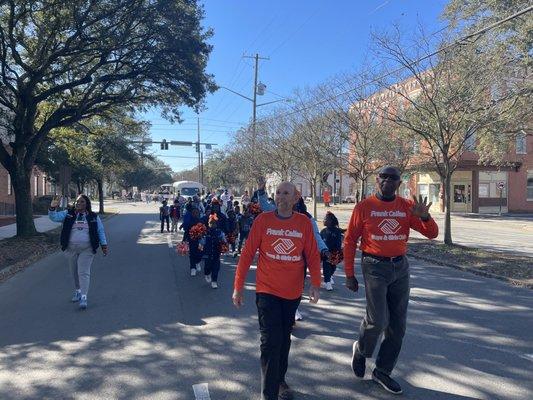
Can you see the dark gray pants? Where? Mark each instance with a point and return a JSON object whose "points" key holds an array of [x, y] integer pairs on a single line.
{"points": [[387, 296]]}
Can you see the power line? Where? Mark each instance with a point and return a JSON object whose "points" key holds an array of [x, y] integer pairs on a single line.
{"points": [[417, 61]]}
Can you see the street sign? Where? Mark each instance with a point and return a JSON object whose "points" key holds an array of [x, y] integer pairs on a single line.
{"points": [[501, 185]]}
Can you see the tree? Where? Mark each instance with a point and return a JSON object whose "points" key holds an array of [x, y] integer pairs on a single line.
{"points": [[454, 105], [220, 170], [95, 149], [146, 173], [515, 36], [61, 62], [315, 143], [368, 140]]}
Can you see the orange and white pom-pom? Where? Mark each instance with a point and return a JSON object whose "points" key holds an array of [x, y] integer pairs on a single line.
{"points": [[254, 208], [335, 257], [231, 237], [182, 248], [197, 231], [224, 247]]}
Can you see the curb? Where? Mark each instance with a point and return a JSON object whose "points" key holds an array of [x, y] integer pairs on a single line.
{"points": [[514, 282]]}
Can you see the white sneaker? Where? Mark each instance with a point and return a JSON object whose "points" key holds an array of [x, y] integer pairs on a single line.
{"points": [[208, 278], [193, 272], [332, 281], [198, 268], [214, 285], [298, 316], [329, 286]]}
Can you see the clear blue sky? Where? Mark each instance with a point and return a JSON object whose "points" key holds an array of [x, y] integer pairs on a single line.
{"points": [[307, 43]]}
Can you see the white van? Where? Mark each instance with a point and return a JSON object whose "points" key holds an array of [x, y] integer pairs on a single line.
{"points": [[188, 188]]}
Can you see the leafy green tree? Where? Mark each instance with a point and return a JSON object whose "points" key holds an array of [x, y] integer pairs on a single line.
{"points": [[63, 61]]}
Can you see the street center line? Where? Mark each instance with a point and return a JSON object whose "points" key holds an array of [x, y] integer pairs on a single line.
{"points": [[201, 391]]}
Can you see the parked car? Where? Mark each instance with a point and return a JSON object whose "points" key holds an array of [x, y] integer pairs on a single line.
{"points": [[349, 199]]}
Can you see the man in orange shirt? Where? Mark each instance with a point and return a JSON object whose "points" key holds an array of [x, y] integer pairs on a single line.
{"points": [[383, 222], [285, 240]]}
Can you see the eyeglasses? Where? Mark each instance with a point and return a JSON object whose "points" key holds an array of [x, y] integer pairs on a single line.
{"points": [[392, 177]]}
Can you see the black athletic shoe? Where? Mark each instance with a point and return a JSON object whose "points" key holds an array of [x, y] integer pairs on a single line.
{"points": [[358, 362], [285, 392], [389, 384]]}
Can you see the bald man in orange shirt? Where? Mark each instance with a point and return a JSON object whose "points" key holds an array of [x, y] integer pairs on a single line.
{"points": [[286, 242]]}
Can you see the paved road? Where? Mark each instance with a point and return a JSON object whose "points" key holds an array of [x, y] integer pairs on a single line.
{"points": [[505, 233], [152, 331]]}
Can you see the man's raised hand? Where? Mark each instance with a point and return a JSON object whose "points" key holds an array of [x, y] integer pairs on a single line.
{"points": [[420, 207]]}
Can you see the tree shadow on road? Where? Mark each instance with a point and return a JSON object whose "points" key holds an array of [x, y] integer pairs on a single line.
{"points": [[152, 331]]}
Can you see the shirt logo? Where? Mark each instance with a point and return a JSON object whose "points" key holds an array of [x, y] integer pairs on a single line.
{"points": [[389, 226], [283, 246]]}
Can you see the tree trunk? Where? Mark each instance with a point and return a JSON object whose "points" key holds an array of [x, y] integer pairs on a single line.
{"points": [[21, 180], [78, 184], [363, 189], [100, 184], [447, 183], [313, 196]]}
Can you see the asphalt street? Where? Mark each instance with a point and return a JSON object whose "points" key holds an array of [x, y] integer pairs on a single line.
{"points": [[152, 332]]}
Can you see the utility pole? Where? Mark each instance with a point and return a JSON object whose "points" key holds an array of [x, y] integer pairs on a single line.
{"points": [[202, 167], [254, 101], [199, 157]]}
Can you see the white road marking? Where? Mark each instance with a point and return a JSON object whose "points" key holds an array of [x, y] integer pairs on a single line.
{"points": [[527, 356], [169, 241], [201, 391]]}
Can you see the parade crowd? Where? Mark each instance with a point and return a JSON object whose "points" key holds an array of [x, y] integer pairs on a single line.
{"points": [[289, 245]]}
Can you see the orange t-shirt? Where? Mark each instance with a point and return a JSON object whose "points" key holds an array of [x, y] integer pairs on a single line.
{"points": [[285, 246], [383, 227]]}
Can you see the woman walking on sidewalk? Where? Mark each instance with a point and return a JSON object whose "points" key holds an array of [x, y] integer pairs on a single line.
{"points": [[81, 235]]}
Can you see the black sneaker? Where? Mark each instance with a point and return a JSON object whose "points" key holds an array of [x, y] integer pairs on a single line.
{"points": [[358, 362], [389, 384], [285, 392]]}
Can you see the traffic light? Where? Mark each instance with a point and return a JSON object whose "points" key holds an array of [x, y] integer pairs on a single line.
{"points": [[164, 144], [197, 146]]}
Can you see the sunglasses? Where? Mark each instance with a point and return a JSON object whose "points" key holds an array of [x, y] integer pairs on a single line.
{"points": [[392, 177]]}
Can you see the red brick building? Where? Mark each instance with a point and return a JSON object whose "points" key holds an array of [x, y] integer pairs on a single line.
{"points": [[476, 188], [40, 186]]}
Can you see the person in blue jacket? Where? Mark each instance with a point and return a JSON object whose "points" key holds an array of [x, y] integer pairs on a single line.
{"points": [[210, 244], [191, 218], [266, 205], [81, 235]]}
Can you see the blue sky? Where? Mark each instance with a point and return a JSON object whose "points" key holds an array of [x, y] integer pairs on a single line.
{"points": [[307, 43]]}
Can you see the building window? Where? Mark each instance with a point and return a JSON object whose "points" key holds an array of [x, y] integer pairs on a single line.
{"points": [[521, 143], [9, 185], [470, 140], [36, 185], [484, 190], [44, 185], [530, 185]]}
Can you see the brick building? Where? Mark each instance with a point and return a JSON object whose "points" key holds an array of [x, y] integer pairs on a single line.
{"points": [[475, 188], [40, 186]]}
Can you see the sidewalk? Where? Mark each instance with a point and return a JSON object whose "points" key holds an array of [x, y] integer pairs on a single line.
{"points": [[42, 224]]}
